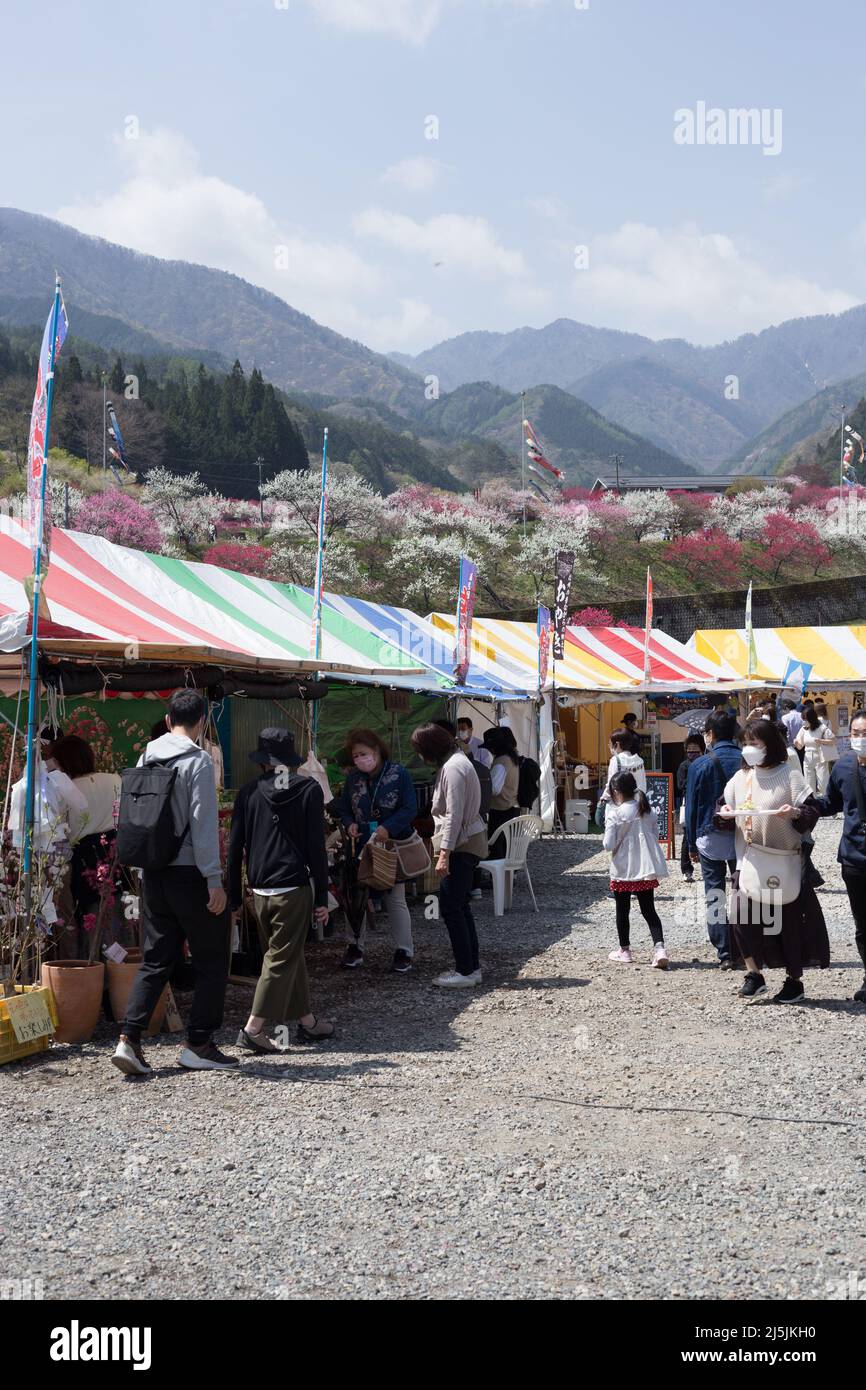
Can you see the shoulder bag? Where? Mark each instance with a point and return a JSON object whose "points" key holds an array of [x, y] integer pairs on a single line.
{"points": [[771, 876]]}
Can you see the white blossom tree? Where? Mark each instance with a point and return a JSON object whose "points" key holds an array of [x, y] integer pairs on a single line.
{"points": [[742, 517], [647, 512], [185, 510]]}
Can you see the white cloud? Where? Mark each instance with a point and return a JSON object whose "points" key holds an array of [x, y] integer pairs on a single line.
{"points": [[415, 175], [457, 241], [684, 282], [782, 187], [410, 20], [549, 207], [413, 21]]}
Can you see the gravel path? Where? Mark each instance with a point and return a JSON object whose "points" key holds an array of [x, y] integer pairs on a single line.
{"points": [[571, 1130]]}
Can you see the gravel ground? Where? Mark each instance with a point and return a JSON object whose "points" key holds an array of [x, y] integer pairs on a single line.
{"points": [[573, 1129]]}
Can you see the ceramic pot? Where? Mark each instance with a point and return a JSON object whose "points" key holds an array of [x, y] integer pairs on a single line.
{"points": [[77, 988]]}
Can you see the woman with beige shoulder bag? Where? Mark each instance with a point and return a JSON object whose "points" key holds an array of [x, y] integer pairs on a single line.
{"points": [[776, 919]]}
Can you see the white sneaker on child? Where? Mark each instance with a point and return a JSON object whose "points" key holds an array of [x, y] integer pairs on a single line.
{"points": [[621, 957], [660, 957]]}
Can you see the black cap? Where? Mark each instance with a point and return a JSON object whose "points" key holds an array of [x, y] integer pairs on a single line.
{"points": [[276, 746]]}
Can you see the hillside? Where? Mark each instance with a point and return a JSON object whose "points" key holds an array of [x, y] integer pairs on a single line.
{"points": [[670, 391], [577, 438], [805, 425], [191, 308]]}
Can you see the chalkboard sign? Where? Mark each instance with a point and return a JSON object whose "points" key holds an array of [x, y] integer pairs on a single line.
{"points": [[660, 794]]}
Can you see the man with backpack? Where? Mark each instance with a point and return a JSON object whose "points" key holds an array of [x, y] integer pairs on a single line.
{"points": [[713, 849], [169, 829]]}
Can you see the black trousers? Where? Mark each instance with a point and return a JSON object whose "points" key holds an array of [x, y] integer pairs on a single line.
{"points": [[454, 906], [647, 905], [856, 885], [174, 909]]}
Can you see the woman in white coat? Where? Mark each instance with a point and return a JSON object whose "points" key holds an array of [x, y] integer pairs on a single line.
{"points": [[636, 864]]}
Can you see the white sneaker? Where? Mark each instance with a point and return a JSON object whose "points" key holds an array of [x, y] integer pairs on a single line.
{"points": [[451, 979], [130, 1060], [660, 957], [621, 957]]}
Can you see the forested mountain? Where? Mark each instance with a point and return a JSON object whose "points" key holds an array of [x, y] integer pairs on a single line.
{"points": [[705, 403]]}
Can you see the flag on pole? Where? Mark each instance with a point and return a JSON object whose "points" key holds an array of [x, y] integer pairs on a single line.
{"points": [[543, 645], [316, 630], [465, 613], [797, 675], [40, 518], [117, 450], [750, 635], [563, 572], [649, 624], [534, 451]]}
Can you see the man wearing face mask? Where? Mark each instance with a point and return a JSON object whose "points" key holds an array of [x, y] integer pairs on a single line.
{"points": [[846, 792], [694, 748], [713, 849]]}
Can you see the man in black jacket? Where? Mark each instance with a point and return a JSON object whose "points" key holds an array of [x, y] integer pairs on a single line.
{"points": [[847, 779], [278, 824]]}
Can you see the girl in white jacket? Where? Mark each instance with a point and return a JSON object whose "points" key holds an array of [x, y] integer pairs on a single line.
{"points": [[636, 864]]}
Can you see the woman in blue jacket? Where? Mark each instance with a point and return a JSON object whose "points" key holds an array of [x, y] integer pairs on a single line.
{"points": [[379, 802]]}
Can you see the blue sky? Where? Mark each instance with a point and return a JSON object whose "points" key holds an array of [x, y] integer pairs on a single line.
{"points": [[286, 142]]}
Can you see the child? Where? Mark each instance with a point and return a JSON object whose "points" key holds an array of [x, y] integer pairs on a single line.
{"points": [[636, 864]]}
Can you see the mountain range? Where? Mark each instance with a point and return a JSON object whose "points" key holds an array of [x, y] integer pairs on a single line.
{"points": [[665, 407]]}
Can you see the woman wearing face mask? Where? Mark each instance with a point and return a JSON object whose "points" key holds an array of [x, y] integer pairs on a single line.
{"points": [[774, 812], [379, 802], [814, 740], [694, 749]]}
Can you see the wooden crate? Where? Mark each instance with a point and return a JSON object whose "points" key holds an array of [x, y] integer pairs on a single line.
{"points": [[11, 1050]]}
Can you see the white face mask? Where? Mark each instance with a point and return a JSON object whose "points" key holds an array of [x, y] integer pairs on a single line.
{"points": [[754, 755], [858, 744], [464, 735]]}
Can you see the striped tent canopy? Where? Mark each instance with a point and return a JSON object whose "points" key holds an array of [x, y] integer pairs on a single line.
{"points": [[596, 658], [837, 655], [179, 609]]}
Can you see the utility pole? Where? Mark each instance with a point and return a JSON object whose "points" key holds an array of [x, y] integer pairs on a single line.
{"points": [[66, 506], [616, 460], [260, 462]]}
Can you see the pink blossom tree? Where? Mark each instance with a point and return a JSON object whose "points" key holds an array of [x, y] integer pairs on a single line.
{"points": [[235, 555], [119, 518], [709, 555]]}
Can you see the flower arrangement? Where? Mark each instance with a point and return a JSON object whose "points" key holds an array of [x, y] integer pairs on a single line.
{"points": [[87, 724]]}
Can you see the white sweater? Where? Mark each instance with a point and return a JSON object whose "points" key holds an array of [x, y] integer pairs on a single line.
{"points": [[625, 762], [633, 842]]}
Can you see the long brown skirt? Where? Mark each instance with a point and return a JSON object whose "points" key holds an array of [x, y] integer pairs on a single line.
{"points": [[801, 943]]}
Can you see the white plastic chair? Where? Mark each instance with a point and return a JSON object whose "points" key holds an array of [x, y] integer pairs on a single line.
{"points": [[519, 835]]}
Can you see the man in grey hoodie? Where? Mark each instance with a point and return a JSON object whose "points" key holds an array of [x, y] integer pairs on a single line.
{"points": [[185, 901]]}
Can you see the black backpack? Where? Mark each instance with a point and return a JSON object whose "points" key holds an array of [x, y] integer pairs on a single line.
{"points": [[528, 783], [486, 783], [146, 837]]}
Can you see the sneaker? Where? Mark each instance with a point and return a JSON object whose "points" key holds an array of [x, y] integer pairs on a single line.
{"points": [[688, 878], [753, 985], [452, 979], [792, 992], [726, 964], [206, 1057], [256, 1042], [660, 957], [401, 963], [860, 994], [129, 1058], [353, 958], [621, 957]]}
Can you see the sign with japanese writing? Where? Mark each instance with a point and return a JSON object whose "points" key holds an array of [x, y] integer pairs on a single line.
{"points": [[29, 1016], [564, 570]]}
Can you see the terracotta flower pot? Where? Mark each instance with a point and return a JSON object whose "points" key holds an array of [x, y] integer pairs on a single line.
{"points": [[121, 976], [77, 989]]}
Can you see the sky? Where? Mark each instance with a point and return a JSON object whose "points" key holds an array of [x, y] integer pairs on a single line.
{"points": [[408, 170]]}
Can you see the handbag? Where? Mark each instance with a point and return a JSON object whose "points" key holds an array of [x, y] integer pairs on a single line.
{"points": [[412, 857], [770, 876], [378, 866]]}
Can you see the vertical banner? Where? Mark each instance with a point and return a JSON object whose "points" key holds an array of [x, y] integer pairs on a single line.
{"points": [[39, 496], [649, 625], [543, 646], [465, 612], [316, 630], [564, 567], [750, 635]]}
